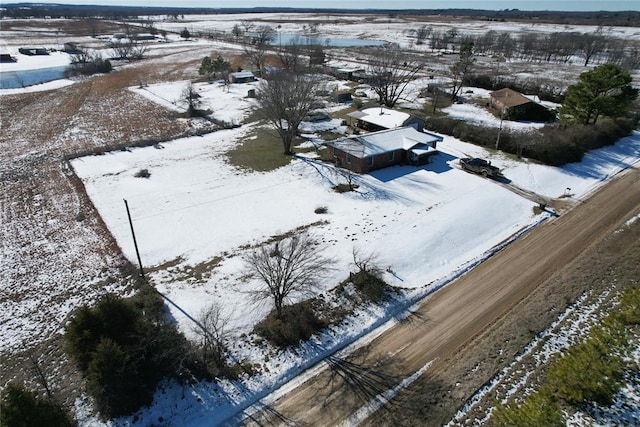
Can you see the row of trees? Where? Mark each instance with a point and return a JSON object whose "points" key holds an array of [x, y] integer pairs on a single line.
{"points": [[551, 47]]}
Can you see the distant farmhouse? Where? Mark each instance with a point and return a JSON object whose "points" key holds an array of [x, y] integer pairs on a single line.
{"points": [[33, 51], [71, 48], [377, 150], [377, 118], [516, 106], [6, 57], [242, 77]]}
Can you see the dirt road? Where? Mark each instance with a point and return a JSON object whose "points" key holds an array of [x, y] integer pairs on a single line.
{"points": [[450, 319]]}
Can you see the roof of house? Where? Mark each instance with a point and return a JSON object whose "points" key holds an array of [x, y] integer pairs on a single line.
{"points": [[383, 117], [509, 97], [242, 74], [371, 144]]}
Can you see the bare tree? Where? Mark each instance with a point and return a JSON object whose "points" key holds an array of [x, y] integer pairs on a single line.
{"points": [[284, 99], [256, 55], [461, 69], [121, 49], [291, 56], [391, 71], [191, 99], [422, 34], [366, 262], [236, 31], [264, 35], [213, 331], [247, 24], [592, 44], [287, 269]]}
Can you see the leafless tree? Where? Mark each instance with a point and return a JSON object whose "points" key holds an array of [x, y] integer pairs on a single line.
{"points": [[523, 140], [255, 53], [264, 35], [247, 24], [345, 175], [506, 44], [449, 38], [291, 56], [422, 34], [213, 331], [391, 71], [259, 45], [461, 69], [236, 31], [121, 49], [287, 269], [284, 99], [191, 99], [366, 262], [592, 44]]}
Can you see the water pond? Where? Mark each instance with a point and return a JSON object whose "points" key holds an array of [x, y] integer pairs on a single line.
{"points": [[22, 78]]}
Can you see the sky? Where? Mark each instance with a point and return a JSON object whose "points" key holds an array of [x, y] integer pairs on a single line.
{"points": [[560, 5]]}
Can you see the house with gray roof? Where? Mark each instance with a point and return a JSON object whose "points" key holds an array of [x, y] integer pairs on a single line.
{"points": [[377, 150]]}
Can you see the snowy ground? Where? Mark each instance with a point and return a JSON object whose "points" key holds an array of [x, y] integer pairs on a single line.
{"points": [[195, 207], [425, 225]]}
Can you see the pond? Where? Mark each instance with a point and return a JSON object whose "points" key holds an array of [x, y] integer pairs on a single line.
{"points": [[22, 78], [285, 39]]}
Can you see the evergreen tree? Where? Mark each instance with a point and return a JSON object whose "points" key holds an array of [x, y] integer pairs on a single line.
{"points": [[604, 91], [22, 408]]}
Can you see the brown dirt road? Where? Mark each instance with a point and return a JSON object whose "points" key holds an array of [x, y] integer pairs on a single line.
{"points": [[450, 319]]}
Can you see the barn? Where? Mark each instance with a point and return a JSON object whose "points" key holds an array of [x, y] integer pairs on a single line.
{"points": [[242, 77], [515, 106], [377, 150]]}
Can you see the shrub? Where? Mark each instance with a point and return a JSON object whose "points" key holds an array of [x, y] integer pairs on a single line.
{"points": [[297, 323], [125, 348], [143, 173], [538, 409], [587, 373], [93, 65], [554, 145], [370, 285], [112, 380], [22, 408]]}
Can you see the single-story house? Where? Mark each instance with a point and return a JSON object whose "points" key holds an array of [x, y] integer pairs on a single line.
{"points": [[347, 73], [33, 51], [242, 77], [378, 118], [377, 150], [516, 106]]}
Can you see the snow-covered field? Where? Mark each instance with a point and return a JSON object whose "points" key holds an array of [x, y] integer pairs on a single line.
{"points": [[196, 212], [424, 225]]}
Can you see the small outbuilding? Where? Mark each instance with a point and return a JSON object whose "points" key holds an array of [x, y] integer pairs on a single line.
{"points": [[71, 48], [341, 96], [242, 77], [377, 150], [33, 51], [516, 106], [6, 57], [379, 118]]}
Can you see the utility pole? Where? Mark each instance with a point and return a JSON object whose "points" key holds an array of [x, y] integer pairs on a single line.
{"points": [[500, 128], [135, 243]]}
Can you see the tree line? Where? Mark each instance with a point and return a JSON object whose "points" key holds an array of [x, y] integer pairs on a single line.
{"points": [[559, 47]]}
